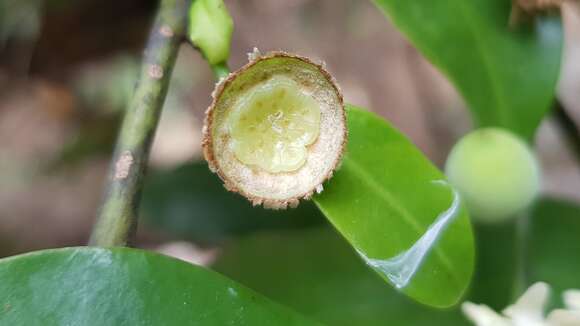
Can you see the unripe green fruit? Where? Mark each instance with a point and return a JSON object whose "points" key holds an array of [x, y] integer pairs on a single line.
{"points": [[495, 172]]}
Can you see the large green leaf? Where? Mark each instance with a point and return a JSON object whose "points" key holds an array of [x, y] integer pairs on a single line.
{"points": [[507, 76], [554, 245], [192, 203], [95, 286], [396, 209], [317, 273]]}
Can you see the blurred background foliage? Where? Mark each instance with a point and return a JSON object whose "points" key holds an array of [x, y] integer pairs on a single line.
{"points": [[67, 69]]}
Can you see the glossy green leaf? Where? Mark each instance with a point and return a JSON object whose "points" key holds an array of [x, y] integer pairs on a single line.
{"points": [[554, 245], [210, 29], [317, 273], [121, 286], [507, 76], [396, 209], [192, 203]]}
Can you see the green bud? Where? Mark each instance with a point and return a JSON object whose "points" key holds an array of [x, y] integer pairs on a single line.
{"points": [[495, 172], [210, 29]]}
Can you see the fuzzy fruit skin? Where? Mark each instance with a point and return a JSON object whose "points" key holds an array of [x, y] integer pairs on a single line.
{"points": [[495, 172], [277, 190]]}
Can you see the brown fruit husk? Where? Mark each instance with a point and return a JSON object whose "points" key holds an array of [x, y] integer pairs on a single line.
{"points": [[524, 10]]}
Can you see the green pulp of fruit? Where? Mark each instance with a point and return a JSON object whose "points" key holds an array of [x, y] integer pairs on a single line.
{"points": [[272, 125]]}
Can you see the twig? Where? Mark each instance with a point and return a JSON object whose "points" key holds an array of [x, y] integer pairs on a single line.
{"points": [[568, 128], [117, 220], [521, 260], [220, 71]]}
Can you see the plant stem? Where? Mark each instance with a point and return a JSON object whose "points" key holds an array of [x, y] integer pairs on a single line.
{"points": [[521, 254], [117, 220], [220, 70], [569, 129]]}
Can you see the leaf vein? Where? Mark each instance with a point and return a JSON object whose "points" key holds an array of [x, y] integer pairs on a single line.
{"points": [[388, 197]]}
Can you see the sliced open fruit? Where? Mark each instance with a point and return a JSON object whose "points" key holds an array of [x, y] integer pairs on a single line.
{"points": [[276, 129]]}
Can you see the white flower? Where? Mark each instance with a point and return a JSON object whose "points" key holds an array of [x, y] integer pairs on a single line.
{"points": [[528, 310]]}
